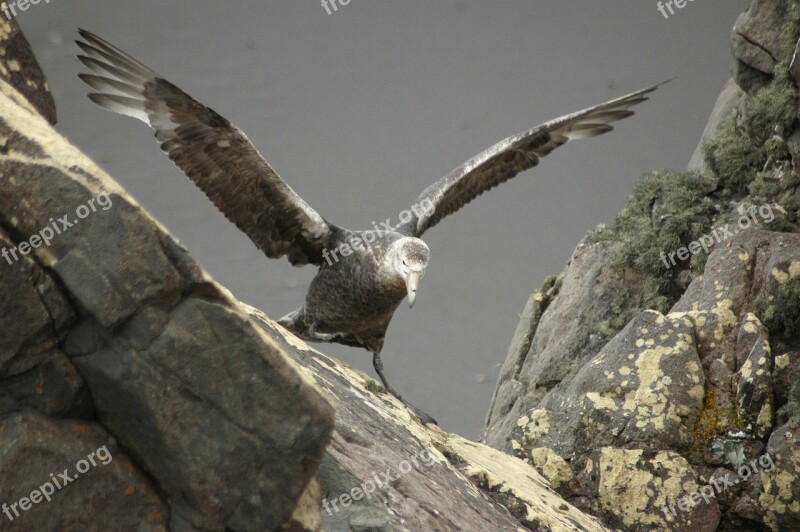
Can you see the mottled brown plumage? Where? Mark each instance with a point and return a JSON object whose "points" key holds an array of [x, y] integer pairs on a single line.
{"points": [[353, 298]]}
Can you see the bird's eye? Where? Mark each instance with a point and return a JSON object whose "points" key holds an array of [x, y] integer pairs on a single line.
{"points": [[405, 263]]}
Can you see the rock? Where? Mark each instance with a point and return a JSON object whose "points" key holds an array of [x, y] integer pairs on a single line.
{"points": [[554, 337], [233, 407], [634, 414], [384, 471], [648, 490], [20, 69], [729, 99], [754, 396], [756, 43], [34, 319], [226, 417], [222, 421], [778, 487], [58, 475], [680, 382], [644, 387]]}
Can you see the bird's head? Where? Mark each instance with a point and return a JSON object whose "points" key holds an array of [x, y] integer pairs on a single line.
{"points": [[409, 258]]}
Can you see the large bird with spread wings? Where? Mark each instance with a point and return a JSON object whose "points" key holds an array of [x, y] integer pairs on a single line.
{"points": [[352, 299]]}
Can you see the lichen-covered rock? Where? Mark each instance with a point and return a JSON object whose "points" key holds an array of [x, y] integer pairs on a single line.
{"points": [[555, 469], [728, 324], [754, 396], [779, 493], [60, 475], [648, 490], [645, 386], [556, 334]]}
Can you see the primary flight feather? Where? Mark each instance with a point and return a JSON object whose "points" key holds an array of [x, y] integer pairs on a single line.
{"points": [[353, 298]]}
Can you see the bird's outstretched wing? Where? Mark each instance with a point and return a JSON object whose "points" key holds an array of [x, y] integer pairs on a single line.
{"points": [[512, 156], [215, 154]]}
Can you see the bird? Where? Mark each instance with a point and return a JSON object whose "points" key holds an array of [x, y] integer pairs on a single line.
{"points": [[363, 275]]}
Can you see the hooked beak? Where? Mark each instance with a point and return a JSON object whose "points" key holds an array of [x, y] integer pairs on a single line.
{"points": [[412, 282]]}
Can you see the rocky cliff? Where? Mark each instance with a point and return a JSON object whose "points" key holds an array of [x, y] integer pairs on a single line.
{"points": [[137, 394], [652, 385], [654, 382]]}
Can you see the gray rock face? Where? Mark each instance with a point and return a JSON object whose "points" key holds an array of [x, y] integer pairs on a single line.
{"points": [[729, 99], [384, 471], [756, 42], [554, 337], [684, 382], [670, 423], [61, 474], [110, 328]]}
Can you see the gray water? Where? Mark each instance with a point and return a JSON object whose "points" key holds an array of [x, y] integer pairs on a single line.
{"points": [[361, 109]]}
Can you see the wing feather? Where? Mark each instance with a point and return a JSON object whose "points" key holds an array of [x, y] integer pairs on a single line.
{"points": [[512, 156], [213, 153]]}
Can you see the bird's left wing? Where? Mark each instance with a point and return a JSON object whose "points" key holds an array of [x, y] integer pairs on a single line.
{"points": [[512, 156], [215, 154]]}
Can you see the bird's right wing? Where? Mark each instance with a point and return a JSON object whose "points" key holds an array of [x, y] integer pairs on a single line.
{"points": [[512, 156], [216, 155]]}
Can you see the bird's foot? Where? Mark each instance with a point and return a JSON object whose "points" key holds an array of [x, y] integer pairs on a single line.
{"points": [[422, 416], [378, 364]]}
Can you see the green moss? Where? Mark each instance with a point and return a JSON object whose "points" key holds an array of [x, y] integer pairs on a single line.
{"points": [[781, 314], [782, 189], [606, 329], [666, 211], [732, 157], [789, 11], [771, 111], [601, 233], [373, 386], [765, 185]]}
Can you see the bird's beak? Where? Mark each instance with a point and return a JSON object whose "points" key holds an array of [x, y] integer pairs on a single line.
{"points": [[412, 282]]}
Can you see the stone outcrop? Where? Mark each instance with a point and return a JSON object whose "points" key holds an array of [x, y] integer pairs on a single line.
{"points": [[385, 471], [641, 391], [20, 69], [639, 383], [137, 393], [113, 335]]}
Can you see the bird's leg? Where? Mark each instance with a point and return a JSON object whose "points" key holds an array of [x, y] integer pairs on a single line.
{"points": [[377, 363]]}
